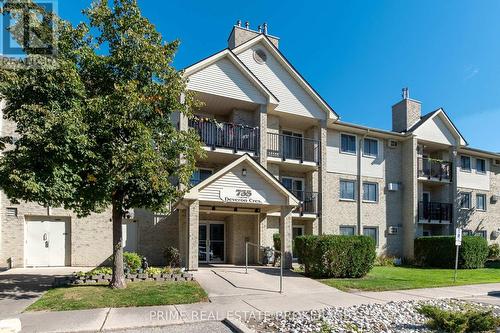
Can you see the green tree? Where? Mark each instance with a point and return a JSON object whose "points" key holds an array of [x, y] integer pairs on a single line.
{"points": [[98, 129]]}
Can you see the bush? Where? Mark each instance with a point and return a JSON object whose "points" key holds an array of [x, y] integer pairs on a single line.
{"points": [[132, 260], [336, 256], [439, 251], [494, 251], [172, 256], [384, 260], [457, 321]]}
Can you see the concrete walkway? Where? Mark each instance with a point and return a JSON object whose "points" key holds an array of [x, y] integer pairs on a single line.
{"points": [[19, 287], [233, 293]]}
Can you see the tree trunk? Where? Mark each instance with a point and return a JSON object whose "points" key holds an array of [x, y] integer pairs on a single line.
{"points": [[118, 280]]}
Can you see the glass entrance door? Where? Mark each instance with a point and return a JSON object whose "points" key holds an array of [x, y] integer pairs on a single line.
{"points": [[211, 248]]}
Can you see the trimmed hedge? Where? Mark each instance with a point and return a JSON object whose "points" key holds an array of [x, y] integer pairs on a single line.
{"points": [[336, 256], [439, 251]]}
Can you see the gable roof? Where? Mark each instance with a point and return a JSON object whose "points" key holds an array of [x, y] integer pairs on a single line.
{"points": [[262, 38], [439, 112], [228, 54], [292, 199]]}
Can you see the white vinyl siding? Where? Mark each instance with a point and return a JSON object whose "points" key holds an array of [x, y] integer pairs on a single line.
{"points": [[293, 98], [223, 78]]}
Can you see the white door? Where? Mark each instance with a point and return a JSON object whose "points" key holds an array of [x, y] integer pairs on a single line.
{"points": [[46, 243], [129, 237]]}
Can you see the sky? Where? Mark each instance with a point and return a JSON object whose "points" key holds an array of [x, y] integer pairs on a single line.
{"points": [[359, 54]]}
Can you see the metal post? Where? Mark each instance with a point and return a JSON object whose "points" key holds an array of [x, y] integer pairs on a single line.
{"points": [[281, 272], [456, 265], [246, 257]]}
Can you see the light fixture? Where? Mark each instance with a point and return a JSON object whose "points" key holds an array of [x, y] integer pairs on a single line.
{"points": [[244, 172]]}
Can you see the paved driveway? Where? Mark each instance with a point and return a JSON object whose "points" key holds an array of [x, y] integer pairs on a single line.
{"points": [[19, 287]]}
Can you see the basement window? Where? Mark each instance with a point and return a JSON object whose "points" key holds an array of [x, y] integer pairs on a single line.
{"points": [[12, 211]]}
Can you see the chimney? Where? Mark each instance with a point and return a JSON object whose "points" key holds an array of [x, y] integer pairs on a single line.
{"points": [[240, 35], [405, 113]]}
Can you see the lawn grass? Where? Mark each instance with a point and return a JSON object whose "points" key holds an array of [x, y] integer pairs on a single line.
{"points": [[395, 278], [136, 294]]}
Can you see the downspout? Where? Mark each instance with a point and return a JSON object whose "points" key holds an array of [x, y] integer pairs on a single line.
{"points": [[360, 182]]}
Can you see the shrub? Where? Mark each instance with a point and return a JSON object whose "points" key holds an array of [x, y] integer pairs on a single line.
{"points": [[458, 321], [153, 271], [172, 256], [494, 251], [336, 256], [132, 260], [439, 251], [384, 260]]}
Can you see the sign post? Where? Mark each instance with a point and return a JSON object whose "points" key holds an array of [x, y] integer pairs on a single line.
{"points": [[458, 242]]}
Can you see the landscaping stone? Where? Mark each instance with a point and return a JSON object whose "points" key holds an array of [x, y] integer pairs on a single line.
{"points": [[376, 318]]}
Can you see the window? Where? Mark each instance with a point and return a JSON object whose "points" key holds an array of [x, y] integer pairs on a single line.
{"points": [[347, 230], [348, 143], [200, 175], [481, 201], [465, 201], [465, 163], [370, 148], [347, 190], [480, 165], [370, 192], [371, 232], [481, 233], [294, 185], [467, 233]]}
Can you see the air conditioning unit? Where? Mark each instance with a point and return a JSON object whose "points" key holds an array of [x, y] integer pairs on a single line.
{"points": [[393, 187], [392, 143], [393, 230], [494, 199]]}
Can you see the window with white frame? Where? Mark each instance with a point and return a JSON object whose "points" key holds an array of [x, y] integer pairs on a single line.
{"points": [[465, 163], [480, 165], [481, 202], [465, 201], [200, 175], [347, 230], [347, 190], [371, 232], [370, 148], [348, 143], [370, 192]]}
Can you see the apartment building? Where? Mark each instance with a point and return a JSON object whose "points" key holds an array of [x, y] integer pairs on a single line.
{"points": [[279, 160]]}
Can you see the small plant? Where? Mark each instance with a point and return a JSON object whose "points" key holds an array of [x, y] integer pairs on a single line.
{"points": [[153, 271], [172, 256], [467, 321], [384, 260], [132, 260], [277, 247], [96, 271], [494, 251]]}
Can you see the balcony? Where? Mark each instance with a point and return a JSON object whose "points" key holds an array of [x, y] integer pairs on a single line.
{"points": [[308, 202], [434, 169], [227, 135], [293, 148], [434, 212]]}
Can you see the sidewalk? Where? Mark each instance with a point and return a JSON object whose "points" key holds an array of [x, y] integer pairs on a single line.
{"points": [[230, 305]]}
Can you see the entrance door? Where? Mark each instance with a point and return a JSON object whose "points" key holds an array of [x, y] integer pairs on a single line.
{"points": [[292, 145], [211, 248], [129, 236], [296, 232], [46, 243]]}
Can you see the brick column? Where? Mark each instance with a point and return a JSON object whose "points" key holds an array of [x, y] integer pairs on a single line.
{"points": [[323, 220], [261, 122], [286, 235], [192, 223], [453, 190]]}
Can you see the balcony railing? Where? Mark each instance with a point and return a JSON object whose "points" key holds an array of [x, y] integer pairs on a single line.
{"points": [[435, 211], [227, 135], [293, 147], [436, 169], [308, 202]]}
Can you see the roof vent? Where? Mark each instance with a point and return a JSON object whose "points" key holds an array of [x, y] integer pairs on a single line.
{"points": [[260, 56]]}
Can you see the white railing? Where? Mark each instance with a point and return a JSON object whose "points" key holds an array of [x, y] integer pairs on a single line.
{"points": [[275, 252]]}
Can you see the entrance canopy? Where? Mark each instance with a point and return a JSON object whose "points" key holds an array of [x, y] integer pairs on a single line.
{"points": [[243, 184]]}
